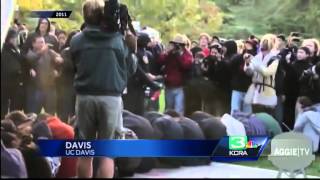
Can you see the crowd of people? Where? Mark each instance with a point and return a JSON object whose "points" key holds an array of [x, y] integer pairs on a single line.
{"points": [[213, 87]]}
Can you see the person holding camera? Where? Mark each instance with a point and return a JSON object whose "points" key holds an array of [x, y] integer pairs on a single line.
{"points": [[314, 46], [177, 61], [216, 69], [195, 86], [240, 81], [288, 56], [261, 93], [103, 63]]}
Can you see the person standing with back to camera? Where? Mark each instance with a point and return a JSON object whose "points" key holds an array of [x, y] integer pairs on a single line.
{"points": [[103, 63]]}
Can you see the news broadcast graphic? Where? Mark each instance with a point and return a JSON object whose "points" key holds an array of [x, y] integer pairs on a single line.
{"points": [[292, 153], [50, 14], [244, 148], [227, 149]]}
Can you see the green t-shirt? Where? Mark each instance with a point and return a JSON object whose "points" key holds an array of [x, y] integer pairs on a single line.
{"points": [[272, 125]]}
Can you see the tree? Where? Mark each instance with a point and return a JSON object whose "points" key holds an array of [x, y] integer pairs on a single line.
{"points": [[72, 23], [170, 17], [270, 16]]}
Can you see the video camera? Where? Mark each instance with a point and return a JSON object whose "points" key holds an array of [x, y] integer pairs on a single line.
{"points": [[177, 49], [117, 18]]}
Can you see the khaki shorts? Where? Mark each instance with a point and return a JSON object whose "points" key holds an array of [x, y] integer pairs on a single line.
{"points": [[98, 117]]}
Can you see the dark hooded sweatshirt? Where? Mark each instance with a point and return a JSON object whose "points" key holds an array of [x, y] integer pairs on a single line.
{"points": [[102, 61], [49, 39]]}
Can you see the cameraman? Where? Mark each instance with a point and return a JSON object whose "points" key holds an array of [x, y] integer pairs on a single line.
{"points": [[177, 61], [216, 69], [289, 54], [103, 63]]}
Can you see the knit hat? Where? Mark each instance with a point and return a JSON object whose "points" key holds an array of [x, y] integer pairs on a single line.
{"points": [[41, 130], [143, 40]]}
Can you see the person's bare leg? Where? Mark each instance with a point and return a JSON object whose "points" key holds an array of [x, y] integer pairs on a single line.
{"points": [[84, 168], [106, 168]]}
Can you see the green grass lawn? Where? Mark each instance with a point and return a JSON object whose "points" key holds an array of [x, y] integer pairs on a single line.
{"points": [[263, 162]]}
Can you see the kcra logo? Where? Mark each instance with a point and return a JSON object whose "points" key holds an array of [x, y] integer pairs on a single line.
{"points": [[238, 145]]}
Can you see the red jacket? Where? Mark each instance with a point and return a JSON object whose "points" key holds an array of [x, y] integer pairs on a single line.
{"points": [[63, 131], [206, 52], [175, 69]]}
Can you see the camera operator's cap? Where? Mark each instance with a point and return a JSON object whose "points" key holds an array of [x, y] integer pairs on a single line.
{"points": [[295, 36], [179, 39]]}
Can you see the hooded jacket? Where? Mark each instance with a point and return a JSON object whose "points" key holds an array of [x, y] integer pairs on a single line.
{"points": [[102, 61], [51, 40], [12, 66]]}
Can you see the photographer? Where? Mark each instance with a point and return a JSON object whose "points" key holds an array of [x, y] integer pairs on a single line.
{"points": [[216, 69], [103, 63], [177, 61], [289, 54], [311, 79], [240, 81], [314, 46], [196, 85]]}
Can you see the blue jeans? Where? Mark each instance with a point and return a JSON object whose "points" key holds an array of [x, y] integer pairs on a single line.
{"points": [[238, 104], [38, 98], [175, 99]]}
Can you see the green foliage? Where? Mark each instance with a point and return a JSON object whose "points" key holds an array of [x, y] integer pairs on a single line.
{"points": [[227, 18], [74, 22], [190, 17], [275, 16]]}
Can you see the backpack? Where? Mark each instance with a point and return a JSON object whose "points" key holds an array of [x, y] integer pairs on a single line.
{"points": [[280, 75]]}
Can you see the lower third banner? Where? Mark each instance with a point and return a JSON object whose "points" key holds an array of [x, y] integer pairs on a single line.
{"points": [[220, 150]]}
